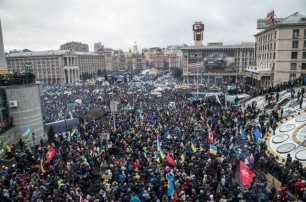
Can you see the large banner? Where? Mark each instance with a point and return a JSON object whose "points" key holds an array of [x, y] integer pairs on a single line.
{"points": [[211, 61], [245, 174]]}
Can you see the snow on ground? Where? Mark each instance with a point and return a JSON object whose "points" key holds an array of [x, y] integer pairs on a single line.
{"points": [[291, 107]]}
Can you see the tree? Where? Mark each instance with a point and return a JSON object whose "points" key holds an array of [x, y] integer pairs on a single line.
{"points": [[177, 72], [51, 135]]}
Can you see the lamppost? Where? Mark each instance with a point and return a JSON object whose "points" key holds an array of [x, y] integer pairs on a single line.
{"points": [[197, 57], [33, 136]]}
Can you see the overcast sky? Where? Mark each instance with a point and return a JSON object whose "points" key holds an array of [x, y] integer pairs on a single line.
{"points": [[46, 24]]}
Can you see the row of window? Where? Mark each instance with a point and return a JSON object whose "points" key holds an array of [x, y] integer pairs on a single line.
{"points": [[294, 55], [296, 33], [267, 47], [294, 65], [295, 44], [267, 38]]}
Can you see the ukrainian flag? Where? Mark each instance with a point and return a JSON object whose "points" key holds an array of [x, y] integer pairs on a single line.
{"points": [[147, 156], [160, 150], [170, 190], [26, 132], [213, 149], [156, 157], [70, 135], [193, 146], [183, 157], [167, 135]]}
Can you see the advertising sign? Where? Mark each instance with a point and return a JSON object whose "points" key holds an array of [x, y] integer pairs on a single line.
{"points": [[211, 61], [270, 18], [198, 27]]}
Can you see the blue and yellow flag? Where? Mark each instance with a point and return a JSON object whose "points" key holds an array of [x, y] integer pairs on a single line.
{"points": [[170, 179], [26, 132], [147, 156], [183, 158], [156, 157], [193, 146], [160, 150], [70, 135], [213, 149], [167, 134]]}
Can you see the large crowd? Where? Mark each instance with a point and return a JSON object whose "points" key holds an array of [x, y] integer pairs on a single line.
{"points": [[156, 152]]}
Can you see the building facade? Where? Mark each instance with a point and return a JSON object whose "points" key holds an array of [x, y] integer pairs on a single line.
{"points": [[60, 66], [280, 52], [75, 46], [217, 63], [90, 63]]}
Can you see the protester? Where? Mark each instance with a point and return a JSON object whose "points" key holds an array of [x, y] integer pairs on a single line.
{"points": [[156, 152]]}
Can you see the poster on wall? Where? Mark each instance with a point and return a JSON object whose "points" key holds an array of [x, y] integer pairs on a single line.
{"points": [[211, 61]]}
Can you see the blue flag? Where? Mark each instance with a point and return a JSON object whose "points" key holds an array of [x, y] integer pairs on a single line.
{"points": [[257, 134], [242, 133], [170, 178]]}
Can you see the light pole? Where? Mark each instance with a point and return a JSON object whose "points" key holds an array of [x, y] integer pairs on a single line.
{"points": [[197, 56]]}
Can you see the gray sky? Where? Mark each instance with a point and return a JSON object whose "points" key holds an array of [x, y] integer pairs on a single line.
{"points": [[46, 24]]}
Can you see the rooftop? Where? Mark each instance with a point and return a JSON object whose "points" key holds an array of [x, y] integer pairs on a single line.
{"points": [[39, 53]]}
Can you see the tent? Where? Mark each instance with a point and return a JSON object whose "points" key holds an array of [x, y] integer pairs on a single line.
{"points": [[158, 89], [155, 93], [185, 86]]}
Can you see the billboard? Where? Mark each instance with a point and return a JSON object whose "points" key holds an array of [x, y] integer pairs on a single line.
{"points": [[270, 18], [211, 61], [198, 27]]}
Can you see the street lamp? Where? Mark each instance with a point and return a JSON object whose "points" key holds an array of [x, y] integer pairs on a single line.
{"points": [[33, 136]]}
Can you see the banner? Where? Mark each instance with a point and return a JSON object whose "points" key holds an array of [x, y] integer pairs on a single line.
{"points": [[245, 174], [50, 153], [170, 160]]}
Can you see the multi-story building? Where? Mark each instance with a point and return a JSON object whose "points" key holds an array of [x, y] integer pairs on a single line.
{"points": [[90, 63], [217, 63], [59, 66], [98, 46], [107, 54], [173, 57], [75, 47], [280, 52], [154, 57]]}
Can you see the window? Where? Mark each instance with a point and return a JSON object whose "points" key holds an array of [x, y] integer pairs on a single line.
{"points": [[304, 33], [292, 76], [293, 55], [304, 45], [304, 55], [303, 66], [295, 44], [293, 66], [296, 33]]}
